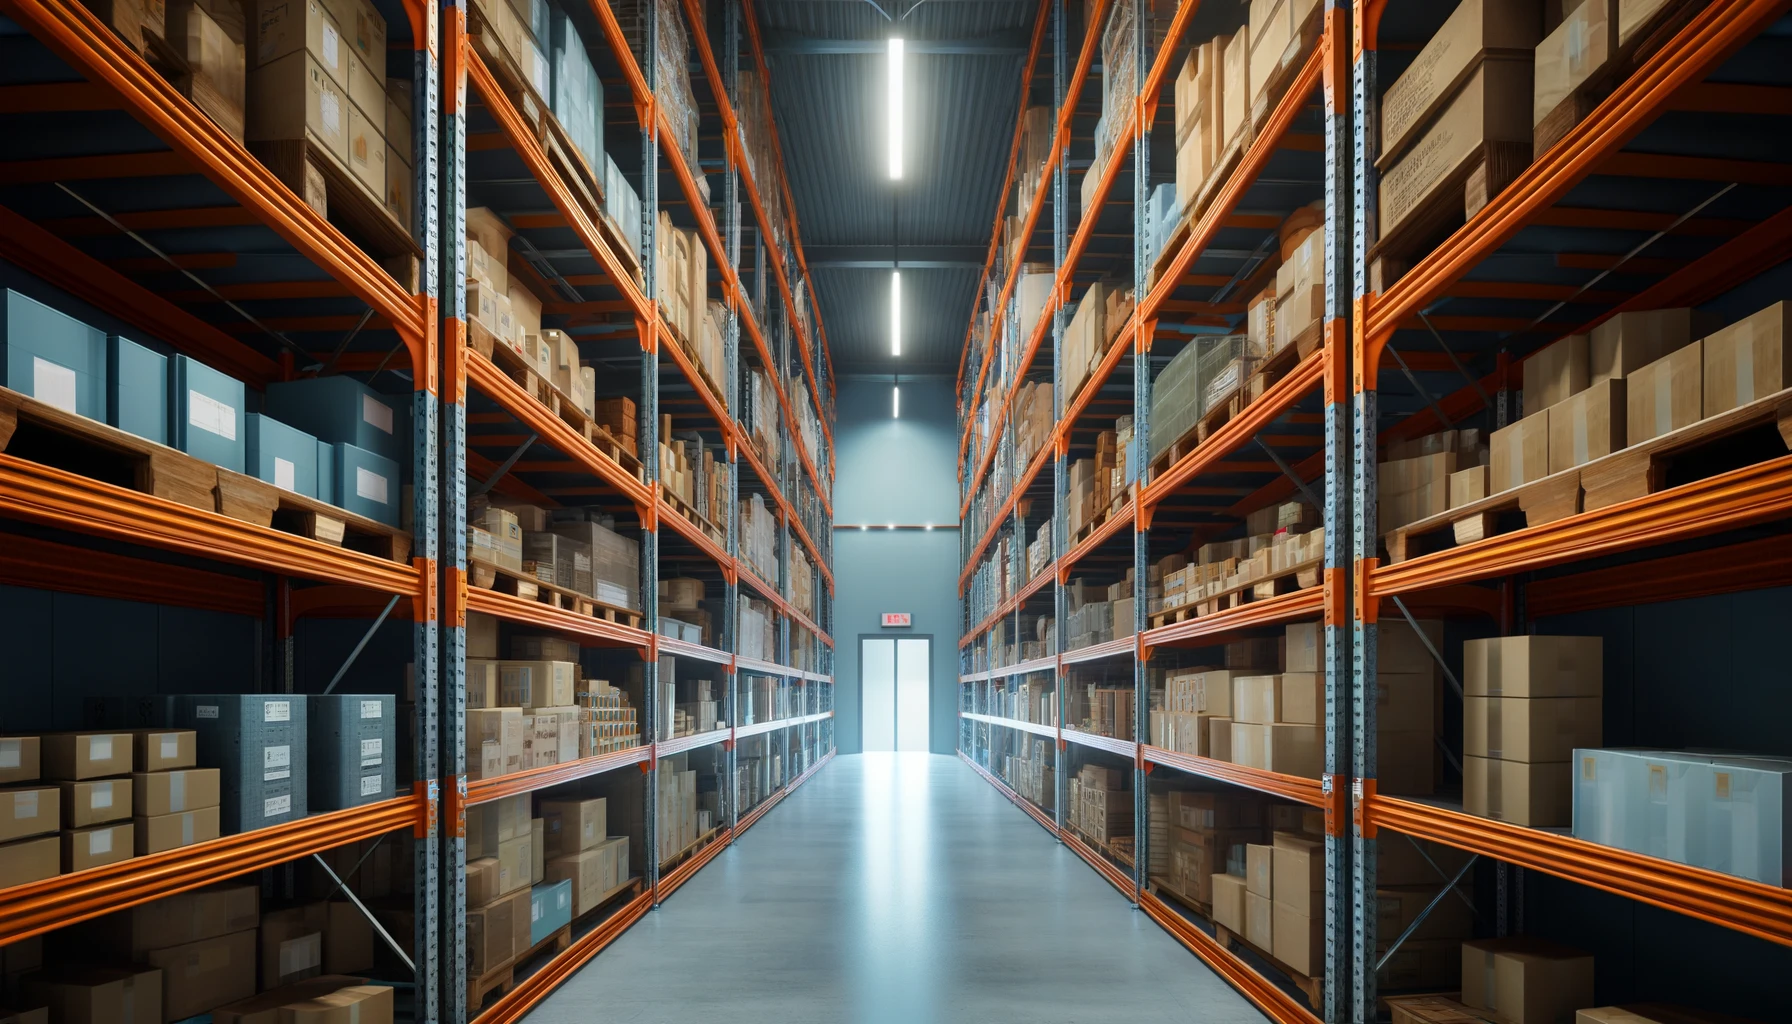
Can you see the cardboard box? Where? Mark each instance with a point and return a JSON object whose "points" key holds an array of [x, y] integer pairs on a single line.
{"points": [[20, 759], [502, 726], [1747, 360], [1493, 105], [291, 945], [171, 792], [1665, 395], [1259, 921], [78, 994], [1531, 730], [1402, 650], [173, 831], [278, 28], [97, 845], [348, 939], [1302, 697], [495, 822], [1519, 454], [257, 741], [352, 1004], [1305, 647], [1449, 58], [1636, 16], [93, 802], [1299, 874], [1534, 666], [1405, 701], [1300, 939], [198, 976], [1259, 874], [491, 936], [1576, 50], [367, 484], [1283, 748], [1523, 794], [1229, 893], [1219, 739], [1588, 425], [1468, 485], [572, 825], [180, 919], [29, 811], [267, 1007], [1627, 342], [1526, 980], [71, 756], [30, 860], [1256, 699], [516, 859], [352, 738], [1556, 372], [296, 98], [342, 410], [537, 684]]}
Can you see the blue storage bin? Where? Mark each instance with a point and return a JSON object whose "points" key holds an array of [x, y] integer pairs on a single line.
{"points": [[367, 484], [342, 410], [326, 472], [136, 389], [283, 456], [207, 408], [550, 909], [52, 357]]}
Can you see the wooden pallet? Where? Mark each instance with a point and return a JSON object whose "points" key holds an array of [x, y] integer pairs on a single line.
{"points": [[1286, 581], [491, 576], [37, 432], [1459, 196], [1160, 887], [1312, 987], [499, 980], [682, 855], [690, 351], [1664, 24], [683, 508], [1228, 162], [327, 186], [1118, 849], [512, 364], [1089, 528], [1702, 449]]}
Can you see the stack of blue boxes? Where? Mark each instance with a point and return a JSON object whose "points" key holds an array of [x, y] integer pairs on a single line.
{"points": [[330, 438]]}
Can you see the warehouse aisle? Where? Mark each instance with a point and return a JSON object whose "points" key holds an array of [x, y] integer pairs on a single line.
{"points": [[901, 889]]}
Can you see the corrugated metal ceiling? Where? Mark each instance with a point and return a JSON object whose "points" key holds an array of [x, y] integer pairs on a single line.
{"points": [[830, 112]]}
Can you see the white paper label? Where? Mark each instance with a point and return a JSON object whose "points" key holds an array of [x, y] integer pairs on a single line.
{"points": [[276, 763], [9, 753], [277, 711], [534, 912], [332, 47], [276, 805], [170, 746], [99, 748], [211, 415], [376, 412], [24, 805], [283, 473], [206, 711], [102, 797], [371, 486], [99, 841], [371, 708], [370, 784], [53, 384], [371, 752], [329, 110]]}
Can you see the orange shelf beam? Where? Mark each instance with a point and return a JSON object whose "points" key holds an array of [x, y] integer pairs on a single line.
{"points": [[1289, 787], [481, 791], [511, 608]]}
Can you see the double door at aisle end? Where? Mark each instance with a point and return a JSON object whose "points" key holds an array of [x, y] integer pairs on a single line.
{"points": [[895, 675]]}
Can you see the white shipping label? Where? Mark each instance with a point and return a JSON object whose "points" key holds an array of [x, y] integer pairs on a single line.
{"points": [[206, 711], [376, 412], [99, 748], [53, 384], [332, 47], [170, 743], [211, 415], [99, 841], [329, 111], [10, 752], [534, 911], [276, 763], [371, 486], [371, 784], [24, 805], [102, 797], [371, 752], [371, 708], [283, 473], [277, 711], [274, 805]]}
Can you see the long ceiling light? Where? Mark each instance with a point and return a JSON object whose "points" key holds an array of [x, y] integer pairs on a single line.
{"points": [[895, 312], [895, 402], [894, 112]]}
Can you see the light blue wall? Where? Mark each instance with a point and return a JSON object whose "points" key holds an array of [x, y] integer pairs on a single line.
{"points": [[896, 471]]}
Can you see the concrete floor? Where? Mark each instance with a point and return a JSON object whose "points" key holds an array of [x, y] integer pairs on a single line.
{"points": [[896, 888]]}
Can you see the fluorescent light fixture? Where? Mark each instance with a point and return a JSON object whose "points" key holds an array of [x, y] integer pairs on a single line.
{"points": [[895, 312], [929, 527], [894, 112], [895, 402], [864, 526], [889, 526]]}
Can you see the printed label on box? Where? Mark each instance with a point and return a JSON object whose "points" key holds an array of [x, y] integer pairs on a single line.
{"points": [[9, 753], [24, 805], [102, 797], [370, 784], [534, 912], [99, 748], [211, 415], [53, 384], [206, 711], [283, 473], [277, 711], [371, 752], [329, 109], [332, 47], [376, 412], [99, 841], [276, 805], [371, 708], [369, 485], [170, 746], [276, 763]]}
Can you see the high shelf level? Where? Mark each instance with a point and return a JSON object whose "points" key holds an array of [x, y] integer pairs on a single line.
{"points": [[1252, 480]]}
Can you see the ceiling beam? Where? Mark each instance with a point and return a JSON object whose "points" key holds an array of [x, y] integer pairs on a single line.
{"points": [[881, 257], [1000, 44]]}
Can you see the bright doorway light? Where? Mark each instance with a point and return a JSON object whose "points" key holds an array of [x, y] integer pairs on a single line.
{"points": [[895, 312], [895, 402], [893, 111]]}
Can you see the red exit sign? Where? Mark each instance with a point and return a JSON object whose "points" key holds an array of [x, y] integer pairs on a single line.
{"points": [[896, 619]]}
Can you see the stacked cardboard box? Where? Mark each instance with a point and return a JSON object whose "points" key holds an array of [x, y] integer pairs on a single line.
{"points": [[500, 867], [202, 942], [1276, 722], [330, 999], [92, 772], [581, 853], [618, 417], [682, 262], [1205, 374], [1530, 701], [300, 942], [30, 815], [1428, 476], [1101, 803], [1406, 702], [606, 721], [1191, 697], [172, 802], [615, 558], [1083, 338], [1526, 980], [1205, 831], [1032, 776], [1290, 541]]}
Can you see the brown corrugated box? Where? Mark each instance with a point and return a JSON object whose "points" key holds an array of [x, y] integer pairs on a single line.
{"points": [[1256, 700], [72, 756], [1405, 701], [1747, 360], [1534, 666], [1629, 341], [158, 750], [1219, 739], [1526, 980], [97, 845], [1519, 454], [95, 801], [1229, 894], [20, 758], [1493, 105], [1523, 794], [1449, 57], [1288, 749], [482, 881], [357, 1004], [173, 920], [1468, 485], [291, 945], [265, 1008], [1588, 425], [29, 811], [1556, 372], [30, 860], [97, 995], [1665, 395], [1575, 51], [1302, 697], [1299, 939], [1299, 873], [1531, 729], [491, 936], [1259, 921], [198, 977], [162, 832], [169, 792]]}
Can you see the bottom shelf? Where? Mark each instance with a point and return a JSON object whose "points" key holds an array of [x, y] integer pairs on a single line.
{"points": [[1221, 951]]}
